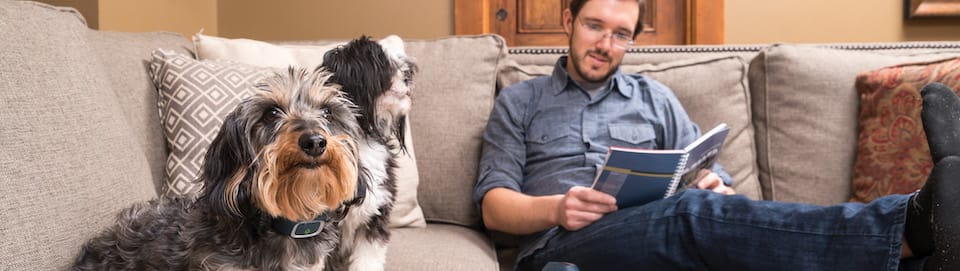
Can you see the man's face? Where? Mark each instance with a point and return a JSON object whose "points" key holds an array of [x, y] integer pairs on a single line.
{"points": [[597, 36]]}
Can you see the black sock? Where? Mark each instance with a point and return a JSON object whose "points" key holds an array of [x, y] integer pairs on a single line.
{"points": [[926, 210], [933, 217], [941, 120], [919, 232]]}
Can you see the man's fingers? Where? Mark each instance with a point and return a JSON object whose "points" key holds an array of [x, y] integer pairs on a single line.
{"points": [[578, 219], [709, 181], [577, 202], [590, 195], [728, 191]]}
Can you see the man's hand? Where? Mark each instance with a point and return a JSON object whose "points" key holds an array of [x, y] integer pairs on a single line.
{"points": [[708, 180], [581, 206]]}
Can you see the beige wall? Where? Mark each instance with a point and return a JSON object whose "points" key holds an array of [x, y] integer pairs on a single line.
{"points": [[183, 16], [329, 19], [747, 21], [818, 21]]}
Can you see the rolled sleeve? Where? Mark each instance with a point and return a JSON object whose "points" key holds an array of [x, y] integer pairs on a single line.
{"points": [[504, 150]]}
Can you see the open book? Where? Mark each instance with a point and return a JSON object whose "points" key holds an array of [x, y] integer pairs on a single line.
{"points": [[638, 176]]}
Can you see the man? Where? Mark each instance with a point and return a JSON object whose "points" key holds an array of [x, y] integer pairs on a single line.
{"points": [[546, 136]]}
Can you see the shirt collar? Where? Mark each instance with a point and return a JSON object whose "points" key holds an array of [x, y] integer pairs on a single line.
{"points": [[561, 79]]}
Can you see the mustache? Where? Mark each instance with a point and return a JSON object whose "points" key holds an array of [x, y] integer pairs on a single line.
{"points": [[601, 54]]}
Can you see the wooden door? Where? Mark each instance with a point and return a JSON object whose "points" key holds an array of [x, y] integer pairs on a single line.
{"points": [[540, 22]]}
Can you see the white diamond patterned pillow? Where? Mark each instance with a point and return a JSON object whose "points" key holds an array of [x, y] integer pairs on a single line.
{"points": [[194, 98]]}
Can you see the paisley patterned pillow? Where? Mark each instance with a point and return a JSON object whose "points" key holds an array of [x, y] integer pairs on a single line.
{"points": [[892, 152]]}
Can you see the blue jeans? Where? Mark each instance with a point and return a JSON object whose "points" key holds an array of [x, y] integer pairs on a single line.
{"points": [[702, 230]]}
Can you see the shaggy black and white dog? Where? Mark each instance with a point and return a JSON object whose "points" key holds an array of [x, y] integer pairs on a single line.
{"points": [[274, 179], [377, 76]]}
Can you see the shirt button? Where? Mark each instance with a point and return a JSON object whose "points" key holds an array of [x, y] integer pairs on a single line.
{"points": [[543, 137]]}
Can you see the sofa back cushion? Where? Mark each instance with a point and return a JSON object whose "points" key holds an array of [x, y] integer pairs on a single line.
{"points": [[448, 117], [718, 94], [805, 111], [70, 159], [127, 55]]}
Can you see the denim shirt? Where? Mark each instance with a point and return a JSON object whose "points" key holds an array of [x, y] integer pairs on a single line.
{"points": [[546, 135]]}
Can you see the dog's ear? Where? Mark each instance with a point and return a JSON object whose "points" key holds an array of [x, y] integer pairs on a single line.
{"points": [[393, 45], [228, 161]]}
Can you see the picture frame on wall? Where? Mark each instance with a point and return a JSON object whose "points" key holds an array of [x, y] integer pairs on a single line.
{"points": [[919, 9]]}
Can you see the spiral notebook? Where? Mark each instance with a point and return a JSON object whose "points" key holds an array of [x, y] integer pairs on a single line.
{"points": [[638, 176]]}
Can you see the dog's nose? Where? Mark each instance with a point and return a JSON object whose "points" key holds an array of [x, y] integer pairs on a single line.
{"points": [[313, 144]]}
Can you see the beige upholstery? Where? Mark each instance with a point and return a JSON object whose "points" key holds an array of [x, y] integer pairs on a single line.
{"points": [[440, 247], [82, 138], [452, 97], [124, 66], [70, 159]]}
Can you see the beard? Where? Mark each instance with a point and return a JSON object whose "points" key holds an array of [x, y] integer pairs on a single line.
{"points": [[580, 67]]}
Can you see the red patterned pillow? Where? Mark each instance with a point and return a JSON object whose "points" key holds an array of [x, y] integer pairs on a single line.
{"points": [[892, 152]]}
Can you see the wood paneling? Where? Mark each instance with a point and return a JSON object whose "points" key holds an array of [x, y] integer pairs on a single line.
{"points": [[539, 22]]}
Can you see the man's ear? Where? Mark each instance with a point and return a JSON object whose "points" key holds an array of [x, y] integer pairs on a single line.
{"points": [[568, 22]]}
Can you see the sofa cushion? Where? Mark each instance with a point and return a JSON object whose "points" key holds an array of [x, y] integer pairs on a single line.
{"points": [[195, 97], [805, 111], [70, 159], [130, 81], [450, 113], [892, 152], [718, 95], [440, 247], [406, 210]]}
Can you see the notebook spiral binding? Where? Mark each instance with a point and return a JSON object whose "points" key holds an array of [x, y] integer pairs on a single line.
{"points": [[677, 175]]}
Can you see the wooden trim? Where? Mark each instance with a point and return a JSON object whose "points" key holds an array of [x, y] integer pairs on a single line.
{"points": [[705, 21], [470, 17], [930, 9]]}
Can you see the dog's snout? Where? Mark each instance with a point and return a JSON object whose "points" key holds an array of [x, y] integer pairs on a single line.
{"points": [[313, 144]]}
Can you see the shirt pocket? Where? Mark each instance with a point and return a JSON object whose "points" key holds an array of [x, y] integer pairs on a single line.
{"points": [[548, 141], [632, 135]]}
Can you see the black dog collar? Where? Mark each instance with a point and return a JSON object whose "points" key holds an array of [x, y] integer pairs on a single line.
{"points": [[302, 229], [307, 229]]}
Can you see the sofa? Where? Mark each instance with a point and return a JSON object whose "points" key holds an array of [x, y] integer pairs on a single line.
{"points": [[82, 138]]}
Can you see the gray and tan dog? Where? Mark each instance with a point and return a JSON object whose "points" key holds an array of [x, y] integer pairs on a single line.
{"points": [[275, 181]]}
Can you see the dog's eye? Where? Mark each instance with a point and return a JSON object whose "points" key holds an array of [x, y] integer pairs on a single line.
{"points": [[325, 113], [407, 77], [272, 114]]}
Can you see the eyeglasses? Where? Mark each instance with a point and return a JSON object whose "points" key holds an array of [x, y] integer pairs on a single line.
{"points": [[621, 39]]}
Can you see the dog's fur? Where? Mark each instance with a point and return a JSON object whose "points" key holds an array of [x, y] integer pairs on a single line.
{"points": [[289, 151], [378, 78]]}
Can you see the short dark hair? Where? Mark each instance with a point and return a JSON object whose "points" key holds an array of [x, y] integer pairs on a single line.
{"points": [[576, 5]]}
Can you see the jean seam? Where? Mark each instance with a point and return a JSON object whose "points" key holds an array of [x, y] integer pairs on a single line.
{"points": [[899, 225]]}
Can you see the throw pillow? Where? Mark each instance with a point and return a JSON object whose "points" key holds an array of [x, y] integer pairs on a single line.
{"points": [[194, 98], [892, 152], [406, 210], [719, 95]]}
